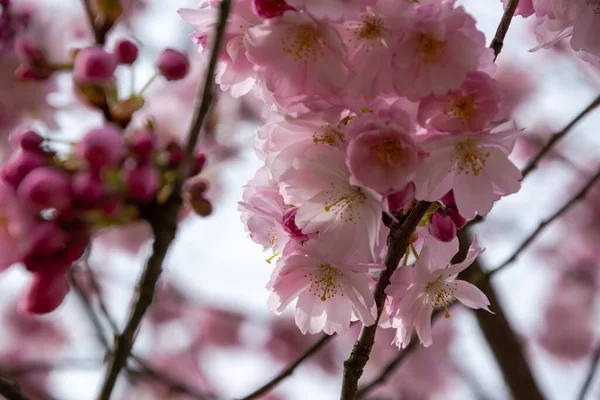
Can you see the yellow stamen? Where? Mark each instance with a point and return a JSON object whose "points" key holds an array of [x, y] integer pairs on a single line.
{"points": [[268, 260], [430, 48]]}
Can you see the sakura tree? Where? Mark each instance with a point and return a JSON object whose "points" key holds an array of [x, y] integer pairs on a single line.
{"points": [[381, 134]]}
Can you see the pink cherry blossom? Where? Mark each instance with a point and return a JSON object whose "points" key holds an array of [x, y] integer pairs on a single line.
{"points": [[471, 108], [262, 213], [381, 152], [436, 53], [586, 29], [434, 286], [297, 55], [347, 217], [524, 9], [333, 10], [369, 38], [330, 291], [475, 165], [234, 72], [288, 138]]}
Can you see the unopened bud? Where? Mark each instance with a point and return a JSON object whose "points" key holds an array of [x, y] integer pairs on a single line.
{"points": [[173, 64], [442, 227]]}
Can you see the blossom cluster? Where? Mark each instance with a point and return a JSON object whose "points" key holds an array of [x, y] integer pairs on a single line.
{"points": [[577, 20], [57, 195], [370, 105]]}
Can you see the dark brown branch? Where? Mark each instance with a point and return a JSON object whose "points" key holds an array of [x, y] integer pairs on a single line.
{"points": [[163, 221], [289, 370], [546, 222], [590, 375], [499, 334], [498, 41], [532, 164], [388, 370], [11, 390], [398, 241]]}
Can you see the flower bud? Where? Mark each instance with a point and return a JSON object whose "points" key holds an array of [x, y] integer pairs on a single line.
{"points": [[173, 64], [143, 144], [46, 187], [142, 182], [458, 219], [398, 201], [199, 163], [21, 164], [87, 188], [126, 52], [102, 147], [30, 53], [26, 72], [448, 199], [270, 8], [288, 220], [174, 155], [441, 226], [93, 65], [45, 293], [30, 140]]}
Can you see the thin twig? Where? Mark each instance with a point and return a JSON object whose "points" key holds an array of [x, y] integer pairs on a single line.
{"points": [[543, 224], [163, 221], [498, 41], [11, 390], [398, 241], [289, 370], [590, 375], [532, 164]]}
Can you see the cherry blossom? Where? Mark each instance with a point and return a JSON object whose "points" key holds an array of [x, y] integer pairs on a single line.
{"points": [[330, 291], [434, 286], [474, 165]]}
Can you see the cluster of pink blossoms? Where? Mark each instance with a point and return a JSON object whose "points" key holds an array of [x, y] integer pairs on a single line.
{"points": [[578, 20], [371, 105]]}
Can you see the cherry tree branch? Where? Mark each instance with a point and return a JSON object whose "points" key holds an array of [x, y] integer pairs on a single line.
{"points": [[533, 163], [478, 277], [11, 390], [502, 30], [163, 221], [398, 241], [587, 384], [289, 370], [582, 192], [387, 371]]}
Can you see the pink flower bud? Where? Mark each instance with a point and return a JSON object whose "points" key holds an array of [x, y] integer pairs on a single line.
{"points": [[441, 226], [46, 187], [199, 163], [21, 164], [288, 220], [26, 72], [126, 52], [93, 65], [448, 199], [30, 140], [458, 219], [142, 182], [400, 200], [174, 155], [173, 64], [143, 144], [87, 188], [45, 293], [30, 53], [270, 8], [102, 147]]}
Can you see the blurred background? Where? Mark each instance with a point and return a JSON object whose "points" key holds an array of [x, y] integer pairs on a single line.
{"points": [[209, 326]]}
